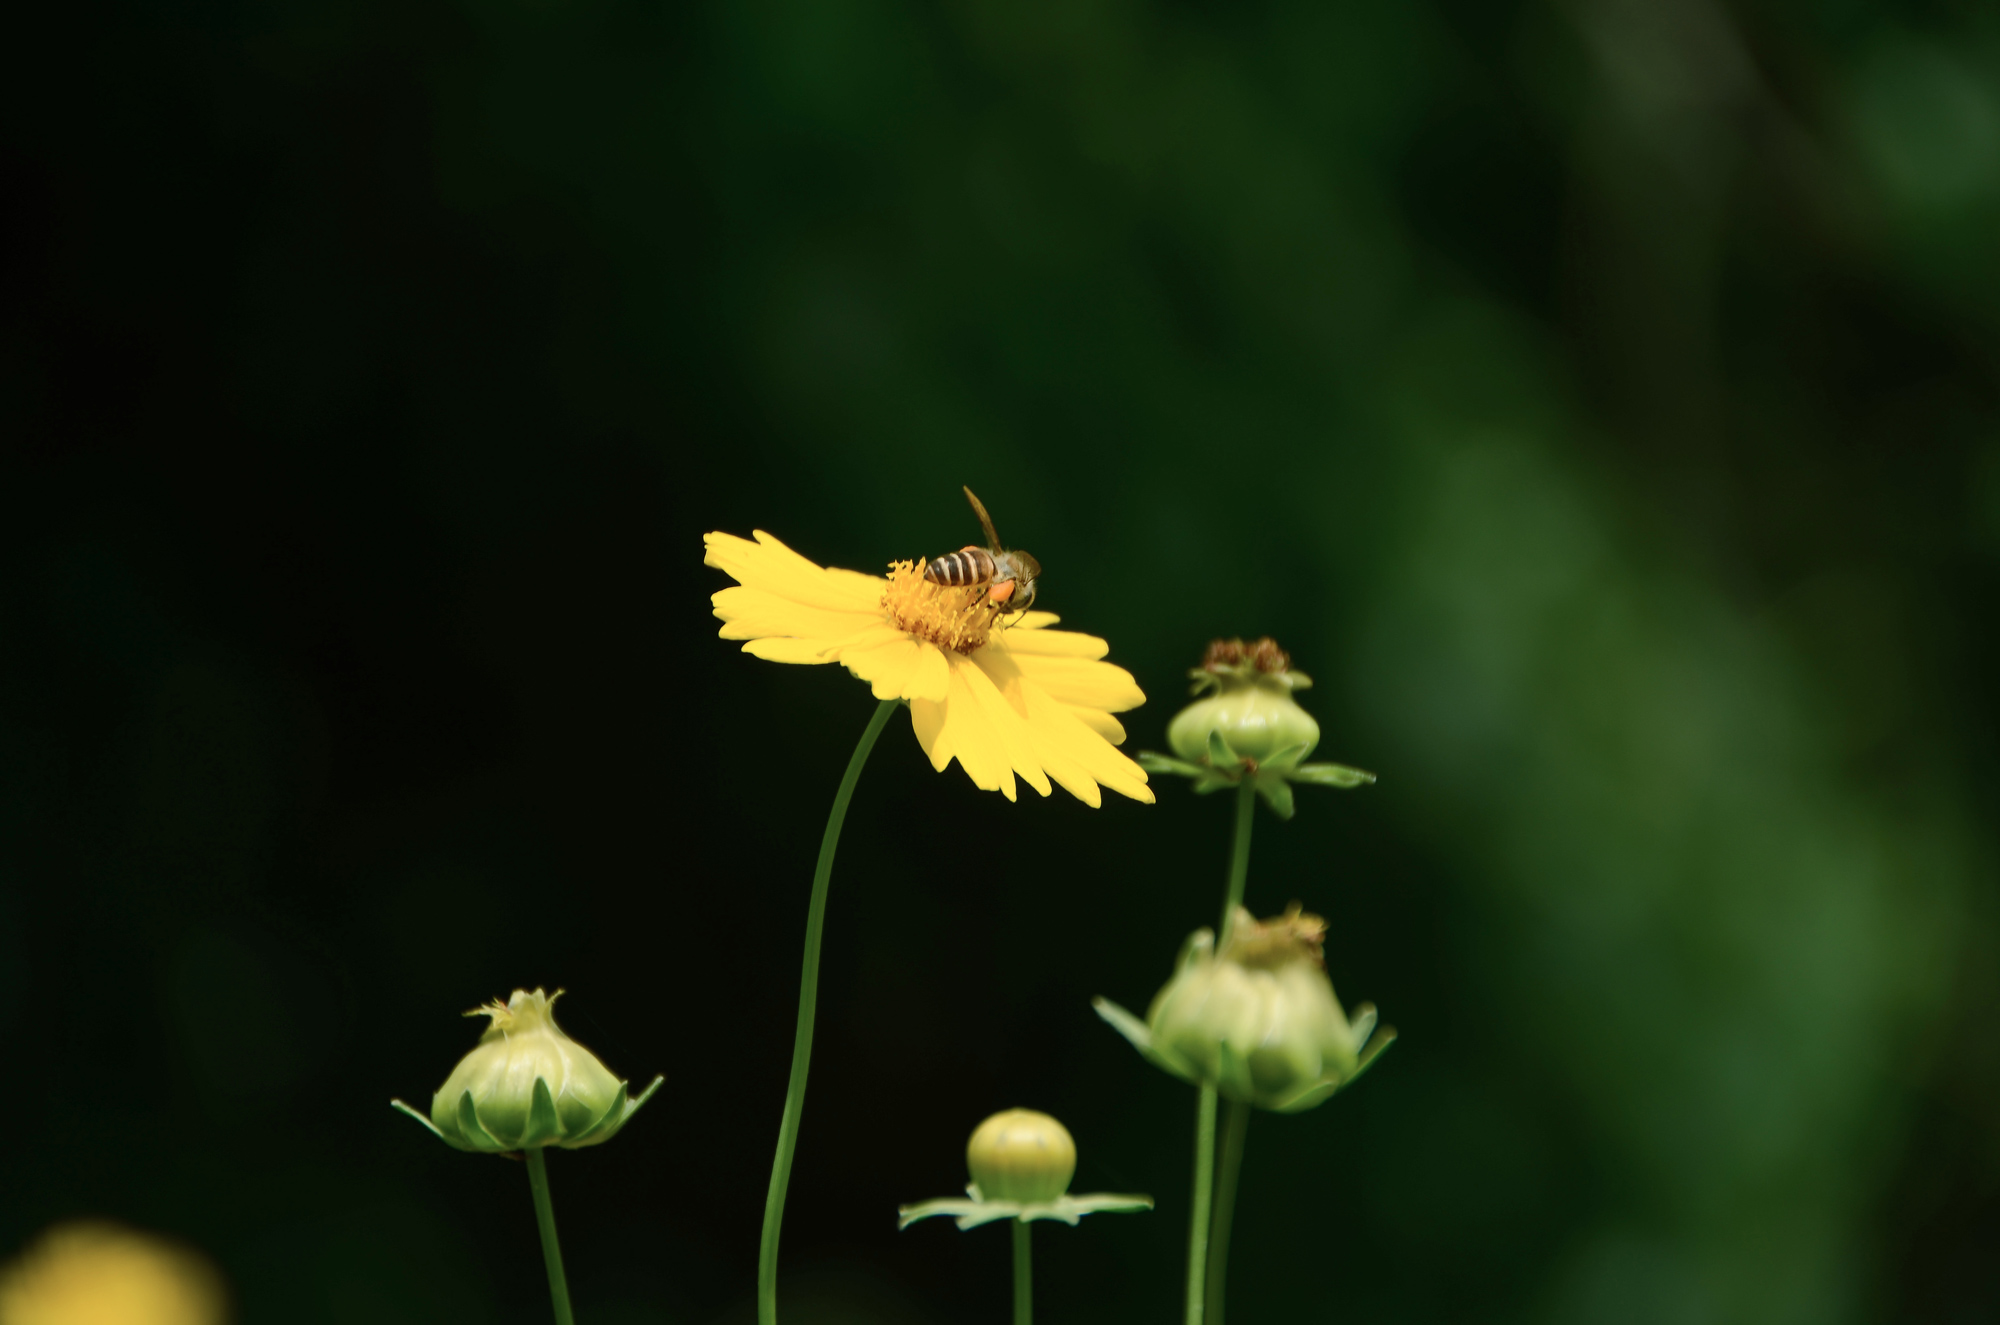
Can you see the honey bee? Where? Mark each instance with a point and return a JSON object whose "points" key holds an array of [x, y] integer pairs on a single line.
{"points": [[1009, 577]]}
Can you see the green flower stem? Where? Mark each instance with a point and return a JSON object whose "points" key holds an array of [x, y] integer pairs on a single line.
{"points": [[1024, 1275], [795, 1089], [1206, 1256], [545, 1217], [1239, 859], [1204, 1177], [1235, 1123]]}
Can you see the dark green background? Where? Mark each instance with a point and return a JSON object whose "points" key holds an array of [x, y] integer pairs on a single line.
{"points": [[1598, 397]]}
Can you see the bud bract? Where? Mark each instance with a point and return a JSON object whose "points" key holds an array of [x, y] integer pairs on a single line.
{"points": [[527, 1084], [1021, 1155], [1258, 1019]]}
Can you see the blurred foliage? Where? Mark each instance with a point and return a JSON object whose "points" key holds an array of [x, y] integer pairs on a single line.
{"points": [[1597, 398]]}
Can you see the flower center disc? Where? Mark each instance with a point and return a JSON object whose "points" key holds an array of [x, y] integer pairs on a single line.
{"points": [[956, 619]]}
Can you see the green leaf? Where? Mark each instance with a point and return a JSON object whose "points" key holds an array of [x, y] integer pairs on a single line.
{"points": [[473, 1136], [907, 1215], [644, 1095], [1106, 1203], [605, 1127], [1125, 1024], [1331, 775], [1141, 1037], [544, 1124], [1168, 765], [1277, 793], [1212, 781], [404, 1108], [1285, 759], [1371, 1051], [1220, 756], [1310, 1097]]}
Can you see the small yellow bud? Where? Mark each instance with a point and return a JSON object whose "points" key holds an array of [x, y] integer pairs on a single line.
{"points": [[527, 1085], [1021, 1155]]}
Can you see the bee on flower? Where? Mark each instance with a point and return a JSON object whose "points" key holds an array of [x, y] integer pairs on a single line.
{"points": [[987, 681]]}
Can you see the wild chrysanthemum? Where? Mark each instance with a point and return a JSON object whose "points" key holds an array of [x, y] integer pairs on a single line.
{"points": [[1002, 694]]}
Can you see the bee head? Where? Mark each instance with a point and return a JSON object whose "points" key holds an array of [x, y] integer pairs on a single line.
{"points": [[1030, 573]]}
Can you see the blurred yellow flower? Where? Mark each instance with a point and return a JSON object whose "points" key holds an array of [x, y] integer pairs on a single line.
{"points": [[100, 1274], [1004, 695]]}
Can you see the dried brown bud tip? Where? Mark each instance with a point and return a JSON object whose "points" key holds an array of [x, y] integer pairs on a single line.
{"points": [[1229, 654]]}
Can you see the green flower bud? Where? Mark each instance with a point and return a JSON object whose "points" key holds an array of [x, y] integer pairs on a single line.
{"points": [[528, 1085], [1249, 705], [1021, 1164], [1257, 1020], [1248, 729], [1021, 1155]]}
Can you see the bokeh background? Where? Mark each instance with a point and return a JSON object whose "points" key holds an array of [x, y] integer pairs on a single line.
{"points": [[1597, 397]]}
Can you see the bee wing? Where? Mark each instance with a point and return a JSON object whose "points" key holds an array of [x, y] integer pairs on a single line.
{"points": [[985, 521]]}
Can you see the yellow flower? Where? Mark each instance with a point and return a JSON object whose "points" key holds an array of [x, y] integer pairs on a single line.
{"points": [[100, 1274], [1004, 695]]}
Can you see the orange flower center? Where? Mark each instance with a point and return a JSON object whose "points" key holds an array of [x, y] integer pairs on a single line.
{"points": [[957, 619]]}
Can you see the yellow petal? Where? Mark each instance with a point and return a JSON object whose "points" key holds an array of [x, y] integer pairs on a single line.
{"points": [[973, 741], [1100, 722], [932, 677], [769, 565], [783, 649], [927, 721], [1064, 768], [749, 613], [1082, 683], [1050, 643], [1065, 735], [888, 667], [1007, 724]]}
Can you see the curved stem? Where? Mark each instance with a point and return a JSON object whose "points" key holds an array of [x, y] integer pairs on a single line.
{"points": [[1239, 859], [1235, 1123], [1204, 1175], [1024, 1276], [795, 1089], [545, 1219]]}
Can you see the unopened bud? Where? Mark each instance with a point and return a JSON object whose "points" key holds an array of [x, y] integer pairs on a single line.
{"points": [[527, 1084], [1249, 704], [1021, 1163], [1257, 1020], [1021, 1155]]}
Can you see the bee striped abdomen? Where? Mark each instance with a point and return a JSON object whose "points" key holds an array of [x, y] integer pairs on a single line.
{"points": [[967, 566]]}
